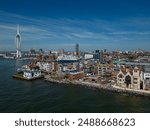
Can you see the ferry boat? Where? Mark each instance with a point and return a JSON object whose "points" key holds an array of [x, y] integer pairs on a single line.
{"points": [[67, 58]]}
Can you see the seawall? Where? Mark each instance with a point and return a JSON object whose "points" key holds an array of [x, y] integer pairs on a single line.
{"points": [[107, 87]]}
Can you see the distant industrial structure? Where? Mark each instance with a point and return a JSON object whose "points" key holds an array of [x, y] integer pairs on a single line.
{"points": [[18, 43]]}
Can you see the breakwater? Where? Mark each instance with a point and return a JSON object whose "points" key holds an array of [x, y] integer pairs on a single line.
{"points": [[107, 87]]}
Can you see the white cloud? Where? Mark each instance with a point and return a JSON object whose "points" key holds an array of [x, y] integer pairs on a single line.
{"points": [[47, 30]]}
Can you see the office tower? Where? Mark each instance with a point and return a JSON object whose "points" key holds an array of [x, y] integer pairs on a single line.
{"points": [[101, 57], [77, 50]]}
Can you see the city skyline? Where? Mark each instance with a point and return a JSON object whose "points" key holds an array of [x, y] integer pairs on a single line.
{"points": [[96, 24]]}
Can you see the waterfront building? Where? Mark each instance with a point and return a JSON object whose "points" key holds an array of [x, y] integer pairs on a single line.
{"points": [[147, 78], [28, 72], [45, 66], [104, 70], [131, 78], [147, 84], [18, 43], [31, 74], [147, 73]]}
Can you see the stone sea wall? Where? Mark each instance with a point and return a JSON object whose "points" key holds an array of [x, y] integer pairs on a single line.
{"points": [[107, 87]]}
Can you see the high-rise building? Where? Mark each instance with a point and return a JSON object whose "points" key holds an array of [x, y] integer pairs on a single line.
{"points": [[41, 51], [32, 51], [61, 51], [98, 55], [97, 51], [77, 50], [101, 57], [18, 43], [105, 50]]}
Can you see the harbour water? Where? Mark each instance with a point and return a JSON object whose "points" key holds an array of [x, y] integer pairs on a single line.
{"points": [[42, 96]]}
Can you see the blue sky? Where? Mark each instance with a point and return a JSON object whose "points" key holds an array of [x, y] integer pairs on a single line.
{"points": [[94, 24]]}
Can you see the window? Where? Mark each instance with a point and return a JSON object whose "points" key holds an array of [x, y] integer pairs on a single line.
{"points": [[135, 82]]}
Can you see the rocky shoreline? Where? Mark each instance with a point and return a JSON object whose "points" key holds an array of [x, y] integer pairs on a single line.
{"points": [[107, 87]]}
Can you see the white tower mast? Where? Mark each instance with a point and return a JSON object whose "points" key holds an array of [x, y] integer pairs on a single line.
{"points": [[18, 44]]}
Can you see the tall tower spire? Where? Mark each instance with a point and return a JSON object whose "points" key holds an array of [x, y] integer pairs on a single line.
{"points": [[18, 29], [18, 44]]}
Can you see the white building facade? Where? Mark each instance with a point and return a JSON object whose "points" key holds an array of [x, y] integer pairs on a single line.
{"points": [[30, 74]]}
